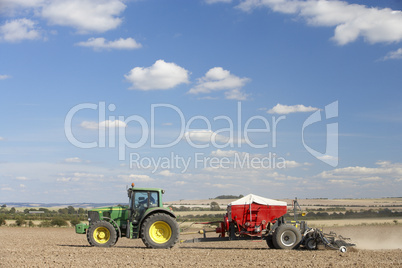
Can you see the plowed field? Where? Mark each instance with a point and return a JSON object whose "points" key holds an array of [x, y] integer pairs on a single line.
{"points": [[378, 246]]}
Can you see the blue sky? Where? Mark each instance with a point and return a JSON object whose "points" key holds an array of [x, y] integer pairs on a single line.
{"points": [[201, 98]]}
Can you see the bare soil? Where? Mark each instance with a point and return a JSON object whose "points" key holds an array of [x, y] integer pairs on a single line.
{"points": [[61, 247]]}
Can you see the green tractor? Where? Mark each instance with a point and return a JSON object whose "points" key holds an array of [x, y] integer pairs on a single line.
{"points": [[144, 217]]}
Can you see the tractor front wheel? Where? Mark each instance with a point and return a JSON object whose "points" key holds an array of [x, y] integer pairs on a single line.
{"points": [[102, 234], [286, 236], [160, 230]]}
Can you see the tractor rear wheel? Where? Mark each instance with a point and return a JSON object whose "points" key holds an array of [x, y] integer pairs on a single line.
{"points": [[286, 236], [102, 234], [160, 230]]}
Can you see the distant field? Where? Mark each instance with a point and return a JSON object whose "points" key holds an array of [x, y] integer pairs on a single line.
{"points": [[394, 203], [353, 222]]}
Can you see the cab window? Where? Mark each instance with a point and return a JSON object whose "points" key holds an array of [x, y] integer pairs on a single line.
{"points": [[153, 201]]}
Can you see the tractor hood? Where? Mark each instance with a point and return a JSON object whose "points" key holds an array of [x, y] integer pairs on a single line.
{"points": [[114, 208]]}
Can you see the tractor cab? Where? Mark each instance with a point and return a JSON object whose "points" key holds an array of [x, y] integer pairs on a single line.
{"points": [[140, 200]]}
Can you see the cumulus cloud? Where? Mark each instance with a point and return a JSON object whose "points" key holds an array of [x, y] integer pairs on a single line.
{"points": [[104, 124], [18, 30], [328, 158], [136, 178], [385, 169], [103, 44], [285, 109], [4, 76], [160, 76], [77, 176], [6, 189], [205, 136], [84, 15], [225, 153], [218, 79], [351, 21], [235, 94], [394, 55], [292, 164], [166, 173], [73, 160]]}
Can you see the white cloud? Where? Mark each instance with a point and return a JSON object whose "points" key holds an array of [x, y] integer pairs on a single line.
{"points": [[394, 55], [21, 178], [77, 176], [73, 160], [292, 164], [375, 178], [218, 79], [223, 153], [327, 158], [285, 109], [68, 179], [19, 30], [1, 139], [385, 169], [343, 182], [235, 94], [84, 15], [104, 124], [22, 185], [160, 76], [351, 21], [166, 173], [205, 136], [4, 76], [136, 178], [6, 189], [102, 44]]}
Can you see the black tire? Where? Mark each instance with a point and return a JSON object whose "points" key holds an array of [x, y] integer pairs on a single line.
{"points": [[286, 237], [160, 230], [102, 234], [270, 242], [310, 243]]}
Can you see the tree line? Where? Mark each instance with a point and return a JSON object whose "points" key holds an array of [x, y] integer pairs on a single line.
{"points": [[61, 217]]}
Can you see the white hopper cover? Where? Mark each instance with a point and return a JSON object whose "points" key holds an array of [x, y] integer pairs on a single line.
{"points": [[252, 198]]}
